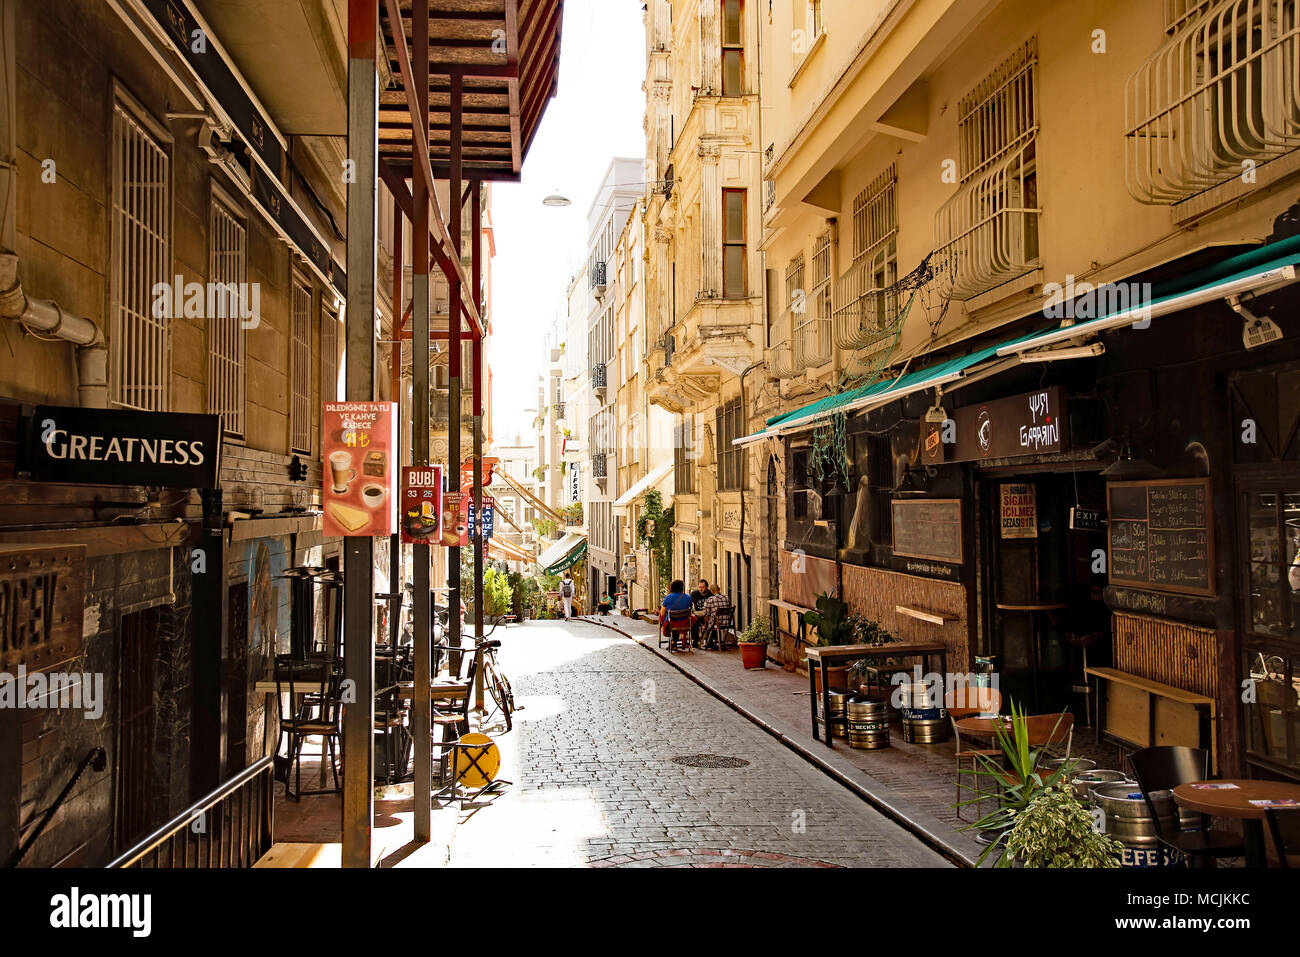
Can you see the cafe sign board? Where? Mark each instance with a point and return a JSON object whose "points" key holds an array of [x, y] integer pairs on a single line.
{"points": [[42, 594], [421, 505], [359, 486], [1029, 424], [121, 447]]}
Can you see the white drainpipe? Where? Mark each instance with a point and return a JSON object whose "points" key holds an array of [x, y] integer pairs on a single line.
{"points": [[48, 318]]}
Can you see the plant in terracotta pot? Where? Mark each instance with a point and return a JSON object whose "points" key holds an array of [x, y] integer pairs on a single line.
{"points": [[834, 626], [753, 643]]}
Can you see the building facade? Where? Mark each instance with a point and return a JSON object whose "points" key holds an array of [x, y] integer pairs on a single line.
{"points": [[1021, 348], [704, 278]]}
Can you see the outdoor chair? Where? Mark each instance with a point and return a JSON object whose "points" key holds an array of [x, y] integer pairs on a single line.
{"points": [[678, 628], [1284, 827], [450, 717], [986, 702], [390, 717], [719, 633], [1163, 769], [312, 686]]}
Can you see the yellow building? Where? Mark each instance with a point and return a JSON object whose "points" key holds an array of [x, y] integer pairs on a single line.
{"points": [[968, 206], [705, 283]]}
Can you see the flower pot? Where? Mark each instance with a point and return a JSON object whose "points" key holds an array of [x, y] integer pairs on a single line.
{"points": [[753, 654], [838, 675]]}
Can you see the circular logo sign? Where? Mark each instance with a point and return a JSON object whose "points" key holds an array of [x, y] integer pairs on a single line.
{"points": [[984, 432]]}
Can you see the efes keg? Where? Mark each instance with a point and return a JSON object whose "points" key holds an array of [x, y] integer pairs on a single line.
{"points": [[868, 719], [1085, 782], [1128, 820], [839, 718], [925, 725]]}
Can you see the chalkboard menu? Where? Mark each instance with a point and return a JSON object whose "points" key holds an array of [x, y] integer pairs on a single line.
{"points": [[1161, 535], [928, 528]]}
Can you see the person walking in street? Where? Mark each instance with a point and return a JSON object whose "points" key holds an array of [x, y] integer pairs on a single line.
{"points": [[620, 596], [566, 595]]}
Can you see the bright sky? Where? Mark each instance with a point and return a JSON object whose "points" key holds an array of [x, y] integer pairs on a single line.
{"points": [[595, 116]]}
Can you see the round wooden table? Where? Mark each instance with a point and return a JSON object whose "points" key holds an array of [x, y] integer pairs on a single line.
{"points": [[1235, 803]]}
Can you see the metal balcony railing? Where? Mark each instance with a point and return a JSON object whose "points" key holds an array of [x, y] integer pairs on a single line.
{"points": [[988, 231], [598, 276], [867, 314], [780, 360], [1223, 91], [599, 378], [812, 342], [599, 466], [559, 411]]}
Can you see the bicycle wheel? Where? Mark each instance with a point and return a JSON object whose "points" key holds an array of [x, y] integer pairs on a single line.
{"points": [[499, 689]]}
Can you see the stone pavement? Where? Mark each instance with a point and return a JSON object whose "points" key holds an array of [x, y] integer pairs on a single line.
{"points": [[913, 783], [619, 760]]}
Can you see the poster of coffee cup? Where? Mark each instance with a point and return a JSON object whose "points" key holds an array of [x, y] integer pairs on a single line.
{"points": [[421, 505], [455, 527], [359, 494]]}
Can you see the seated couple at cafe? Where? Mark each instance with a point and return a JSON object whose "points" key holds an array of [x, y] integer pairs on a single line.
{"points": [[698, 608]]}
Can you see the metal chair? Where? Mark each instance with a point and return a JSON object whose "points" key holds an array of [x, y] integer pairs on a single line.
{"points": [[678, 631], [1284, 827], [390, 716], [719, 632], [987, 703], [313, 686], [1163, 769]]}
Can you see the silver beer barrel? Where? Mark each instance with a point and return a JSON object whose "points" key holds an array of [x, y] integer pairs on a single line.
{"points": [[840, 698], [1085, 782], [1128, 820], [868, 720]]}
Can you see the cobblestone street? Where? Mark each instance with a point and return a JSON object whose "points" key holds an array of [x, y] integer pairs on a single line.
{"points": [[618, 760]]}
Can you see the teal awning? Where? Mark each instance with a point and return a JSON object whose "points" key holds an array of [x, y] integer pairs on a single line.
{"points": [[564, 554], [1268, 266]]}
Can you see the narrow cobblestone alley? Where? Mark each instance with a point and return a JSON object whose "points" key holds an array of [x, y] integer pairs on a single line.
{"points": [[601, 760]]}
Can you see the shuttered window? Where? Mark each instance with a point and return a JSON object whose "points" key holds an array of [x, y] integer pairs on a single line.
{"points": [[300, 369], [227, 345]]}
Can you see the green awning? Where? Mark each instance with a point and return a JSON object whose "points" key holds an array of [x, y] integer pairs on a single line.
{"points": [[1267, 266], [564, 554]]}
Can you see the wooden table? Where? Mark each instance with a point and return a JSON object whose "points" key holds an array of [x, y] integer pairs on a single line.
{"points": [[1140, 713], [437, 690], [825, 656], [1235, 803]]}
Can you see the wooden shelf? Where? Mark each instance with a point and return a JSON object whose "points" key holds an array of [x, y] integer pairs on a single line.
{"points": [[920, 614]]}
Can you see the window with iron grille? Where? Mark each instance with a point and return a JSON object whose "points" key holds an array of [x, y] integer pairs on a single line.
{"points": [[300, 368], [729, 425], [989, 228], [867, 302], [227, 346], [329, 354], [875, 219], [733, 48], [141, 240], [734, 255], [795, 290], [821, 289], [684, 456], [1000, 115]]}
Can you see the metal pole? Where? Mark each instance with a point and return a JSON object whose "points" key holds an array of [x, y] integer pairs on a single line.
{"points": [[476, 274], [454, 371], [420, 729], [358, 552]]}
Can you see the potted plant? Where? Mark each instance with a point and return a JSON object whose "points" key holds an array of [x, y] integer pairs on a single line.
{"points": [[1013, 784], [1055, 830], [753, 643], [834, 626]]}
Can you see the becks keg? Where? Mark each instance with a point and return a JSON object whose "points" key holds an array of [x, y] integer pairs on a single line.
{"points": [[868, 720]]}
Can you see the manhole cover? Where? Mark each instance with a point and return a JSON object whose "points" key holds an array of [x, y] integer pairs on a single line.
{"points": [[710, 761]]}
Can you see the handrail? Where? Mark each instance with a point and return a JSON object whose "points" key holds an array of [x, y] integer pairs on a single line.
{"points": [[95, 756], [187, 817]]}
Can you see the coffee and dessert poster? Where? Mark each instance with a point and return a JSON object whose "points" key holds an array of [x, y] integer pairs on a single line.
{"points": [[360, 481], [422, 505]]}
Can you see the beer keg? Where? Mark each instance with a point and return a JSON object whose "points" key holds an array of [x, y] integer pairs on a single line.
{"points": [[868, 720]]}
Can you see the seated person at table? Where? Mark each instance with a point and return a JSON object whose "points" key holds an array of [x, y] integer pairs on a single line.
{"points": [[675, 601], [717, 601]]}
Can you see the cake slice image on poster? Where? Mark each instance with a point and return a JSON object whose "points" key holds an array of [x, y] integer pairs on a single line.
{"points": [[358, 491]]}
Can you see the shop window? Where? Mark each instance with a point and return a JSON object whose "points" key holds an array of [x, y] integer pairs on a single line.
{"points": [[1266, 415], [813, 504]]}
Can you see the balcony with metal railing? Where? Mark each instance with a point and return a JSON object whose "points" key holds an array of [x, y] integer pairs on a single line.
{"points": [[987, 234], [780, 360], [1223, 91], [811, 343], [599, 277], [867, 313], [599, 377], [600, 465]]}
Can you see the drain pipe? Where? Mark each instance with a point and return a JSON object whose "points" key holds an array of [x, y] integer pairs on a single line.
{"points": [[42, 317]]}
